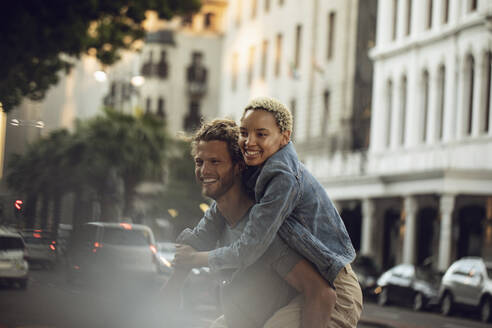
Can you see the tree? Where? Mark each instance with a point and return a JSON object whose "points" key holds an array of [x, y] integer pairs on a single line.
{"points": [[40, 39]]}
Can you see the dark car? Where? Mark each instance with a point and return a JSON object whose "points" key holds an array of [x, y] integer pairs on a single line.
{"points": [[104, 253], [409, 285], [367, 274], [41, 247]]}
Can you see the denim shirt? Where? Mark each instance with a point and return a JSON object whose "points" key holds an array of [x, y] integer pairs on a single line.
{"points": [[290, 201]]}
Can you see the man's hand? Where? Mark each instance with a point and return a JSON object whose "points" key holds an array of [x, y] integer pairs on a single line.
{"points": [[187, 257]]}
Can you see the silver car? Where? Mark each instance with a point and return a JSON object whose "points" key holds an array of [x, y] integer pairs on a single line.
{"points": [[13, 266], [468, 283]]}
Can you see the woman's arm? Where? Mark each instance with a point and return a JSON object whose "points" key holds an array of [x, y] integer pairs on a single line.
{"points": [[278, 196]]}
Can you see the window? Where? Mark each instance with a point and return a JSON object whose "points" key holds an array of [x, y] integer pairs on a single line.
{"points": [[267, 6], [162, 66], [238, 12], [251, 64], [409, 17], [147, 105], [253, 8], [430, 4], [293, 111], [209, 21], [472, 5], [486, 92], [331, 35], [445, 11], [297, 46], [326, 112], [187, 21], [425, 104], [469, 85], [192, 120], [160, 108], [389, 109], [403, 109], [235, 71], [395, 17], [441, 102], [278, 54], [264, 57]]}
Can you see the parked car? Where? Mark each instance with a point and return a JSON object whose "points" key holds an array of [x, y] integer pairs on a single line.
{"points": [[468, 284], [409, 285], [103, 252], [367, 274], [13, 266], [41, 247]]}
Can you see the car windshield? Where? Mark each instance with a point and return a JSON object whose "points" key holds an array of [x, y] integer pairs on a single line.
{"points": [[11, 243], [36, 241], [489, 271], [118, 236]]}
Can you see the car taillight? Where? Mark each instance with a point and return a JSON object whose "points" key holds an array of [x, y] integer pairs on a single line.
{"points": [[153, 249], [52, 247], [26, 255]]}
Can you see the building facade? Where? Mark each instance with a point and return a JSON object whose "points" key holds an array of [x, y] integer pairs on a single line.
{"points": [[312, 56], [423, 190], [180, 65]]}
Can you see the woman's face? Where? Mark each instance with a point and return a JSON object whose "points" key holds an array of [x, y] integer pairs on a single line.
{"points": [[260, 137]]}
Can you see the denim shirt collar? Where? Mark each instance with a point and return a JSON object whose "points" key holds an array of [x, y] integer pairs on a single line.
{"points": [[286, 154]]}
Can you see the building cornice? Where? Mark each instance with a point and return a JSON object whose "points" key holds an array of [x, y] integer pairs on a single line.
{"points": [[395, 49]]}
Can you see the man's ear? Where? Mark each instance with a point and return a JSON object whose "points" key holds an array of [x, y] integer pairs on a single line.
{"points": [[285, 137]]}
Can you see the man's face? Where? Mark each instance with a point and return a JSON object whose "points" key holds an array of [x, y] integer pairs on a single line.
{"points": [[214, 169], [260, 137]]}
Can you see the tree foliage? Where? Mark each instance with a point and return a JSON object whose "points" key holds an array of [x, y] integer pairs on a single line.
{"points": [[39, 39], [101, 152]]}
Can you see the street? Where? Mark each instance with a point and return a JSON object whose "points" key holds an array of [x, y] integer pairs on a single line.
{"points": [[49, 302]]}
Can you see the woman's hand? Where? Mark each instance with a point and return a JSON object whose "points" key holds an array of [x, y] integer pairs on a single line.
{"points": [[187, 257]]}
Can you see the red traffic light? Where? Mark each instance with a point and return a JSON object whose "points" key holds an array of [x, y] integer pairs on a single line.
{"points": [[18, 204]]}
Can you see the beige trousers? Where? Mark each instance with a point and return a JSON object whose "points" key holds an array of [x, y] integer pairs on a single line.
{"points": [[346, 314]]}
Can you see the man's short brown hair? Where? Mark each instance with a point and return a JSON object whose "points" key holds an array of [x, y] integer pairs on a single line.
{"points": [[282, 115], [222, 130]]}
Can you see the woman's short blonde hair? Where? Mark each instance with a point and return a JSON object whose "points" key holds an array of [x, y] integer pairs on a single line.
{"points": [[282, 115]]}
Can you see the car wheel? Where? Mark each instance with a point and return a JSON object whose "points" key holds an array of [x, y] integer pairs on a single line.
{"points": [[447, 304], [383, 297], [485, 310], [418, 302]]}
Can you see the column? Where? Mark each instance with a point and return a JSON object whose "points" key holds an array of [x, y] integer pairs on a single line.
{"points": [[367, 247], [445, 239], [410, 205]]}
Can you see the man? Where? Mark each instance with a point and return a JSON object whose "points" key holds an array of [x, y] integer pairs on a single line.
{"points": [[259, 295]]}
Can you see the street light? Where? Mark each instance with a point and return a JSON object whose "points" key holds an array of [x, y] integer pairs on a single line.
{"points": [[137, 81], [18, 123], [100, 76]]}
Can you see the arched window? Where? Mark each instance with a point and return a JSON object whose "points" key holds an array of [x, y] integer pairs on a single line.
{"points": [[469, 91], [425, 104], [403, 109], [389, 108], [486, 91], [441, 96]]}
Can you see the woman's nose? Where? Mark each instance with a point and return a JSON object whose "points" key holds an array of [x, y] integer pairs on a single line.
{"points": [[250, 140]]}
